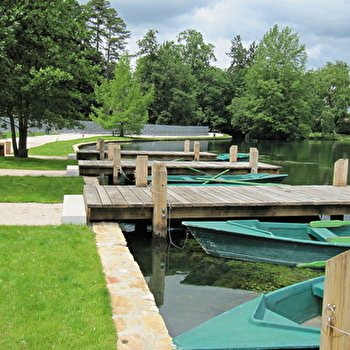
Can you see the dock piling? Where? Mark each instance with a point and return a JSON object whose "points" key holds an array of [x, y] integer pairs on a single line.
{"points": [[340, 177], [101, 148], [159, 198], [116, 163], [187, 146], [141, 171], [253, 160], [197, 147], [233, 153]]}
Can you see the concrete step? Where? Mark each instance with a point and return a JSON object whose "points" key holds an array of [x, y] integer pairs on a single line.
{"points": [[74, 211], [72, 170]]}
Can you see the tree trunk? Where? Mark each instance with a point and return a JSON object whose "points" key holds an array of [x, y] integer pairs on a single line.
{"points": [[13, 135], [22, 142]]}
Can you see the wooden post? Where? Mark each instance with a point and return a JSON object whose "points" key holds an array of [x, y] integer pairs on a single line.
{"points": [[233, 153], [117, 163], [187, 146], [336, 304], [159, 198], [8, 147], [101, 148], [197, 147], [110, 151], [253, 160], [141, 171], [340, 177]]}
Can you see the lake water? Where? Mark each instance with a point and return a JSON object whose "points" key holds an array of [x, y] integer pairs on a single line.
{"points": [[172, 271]]}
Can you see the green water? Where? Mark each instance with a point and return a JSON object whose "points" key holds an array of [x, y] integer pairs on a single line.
{"points": [[189, 286]]}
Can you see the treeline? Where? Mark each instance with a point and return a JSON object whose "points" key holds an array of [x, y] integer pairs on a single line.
{"points": [[61, 61]]}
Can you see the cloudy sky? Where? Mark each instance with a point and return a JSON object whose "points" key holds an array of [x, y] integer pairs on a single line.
{"points": [[322, 25]]}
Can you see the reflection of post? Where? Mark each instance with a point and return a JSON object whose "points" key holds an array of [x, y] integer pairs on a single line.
{"points": [[116, 163], [233, 153], [197, 147], [159, 199], [157, 278], [253, 160]]}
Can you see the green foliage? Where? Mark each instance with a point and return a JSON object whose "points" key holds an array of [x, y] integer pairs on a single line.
{"points": [[53, 292], [39, 189], [47, 67], [123, 104], [332, 87], [275, 102]]}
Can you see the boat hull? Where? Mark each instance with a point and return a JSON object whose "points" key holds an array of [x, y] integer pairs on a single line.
{"points": [[271, 321], [216, 240]]}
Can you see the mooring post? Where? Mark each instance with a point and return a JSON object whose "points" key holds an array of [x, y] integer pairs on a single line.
{"points": [[187, 146], [197, 147], [253, 160], [110, 151], [233, 153], [101, 148], [336, 304], [159, 198], [117, 163], [141, 171], [340, 177]]}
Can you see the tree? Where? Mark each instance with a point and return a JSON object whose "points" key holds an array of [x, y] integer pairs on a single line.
{"points": [[123, 105], [333, 88], [108, 31], [275, 103], [46, 66]]}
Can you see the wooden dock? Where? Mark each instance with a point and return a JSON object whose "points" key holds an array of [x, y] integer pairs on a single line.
{"points": [[105, 167], [114, 203], [83, 154]]}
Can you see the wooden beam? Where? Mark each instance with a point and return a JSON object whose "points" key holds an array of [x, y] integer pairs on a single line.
{"points": [[116, 163], [159, 198], [197, 146], [233, 153], [187, 146], [141, 172], [253, 160], [340, 177], [336, 304]]}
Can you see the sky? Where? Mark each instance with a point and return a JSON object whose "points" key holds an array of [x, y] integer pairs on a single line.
{"points": [[322, 26]]}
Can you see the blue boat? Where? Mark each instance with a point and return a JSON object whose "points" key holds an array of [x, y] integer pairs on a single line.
{"points": [[225, 157]]}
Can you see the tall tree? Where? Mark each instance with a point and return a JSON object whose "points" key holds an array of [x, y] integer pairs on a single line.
{"points": [[275, 103], [109, 31], [46, 67], [123, 104], [333, 88]]}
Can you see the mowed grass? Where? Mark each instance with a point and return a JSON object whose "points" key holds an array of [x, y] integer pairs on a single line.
{"points": [[53, 292], [63, 148], [39, 189], [35, 163]]}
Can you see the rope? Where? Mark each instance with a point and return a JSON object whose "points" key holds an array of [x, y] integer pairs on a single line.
{"points": [[169, 231]]}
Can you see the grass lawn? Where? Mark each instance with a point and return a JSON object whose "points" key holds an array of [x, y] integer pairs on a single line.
{"points": [[39, 189], [35, 163], [63, 148], [53, 292]]}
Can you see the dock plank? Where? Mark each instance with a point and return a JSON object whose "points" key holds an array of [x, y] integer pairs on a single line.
{"points": [[218, 201]]}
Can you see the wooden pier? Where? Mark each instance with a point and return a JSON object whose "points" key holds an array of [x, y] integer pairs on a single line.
{"points": [[154, 155], [134, 203], [105, 167]]}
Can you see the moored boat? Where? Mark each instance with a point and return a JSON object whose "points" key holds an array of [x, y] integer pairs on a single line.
{"points": [[225, 157], [271, 242], [274, 320], [226, 179]]}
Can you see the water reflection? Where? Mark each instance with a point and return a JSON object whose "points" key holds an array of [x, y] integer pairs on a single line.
{"points": [[183, 306]]}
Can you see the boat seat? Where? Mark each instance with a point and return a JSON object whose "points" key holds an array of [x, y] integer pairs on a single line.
{"points": [[322, 234]]}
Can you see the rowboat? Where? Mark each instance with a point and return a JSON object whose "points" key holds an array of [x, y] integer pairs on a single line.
{"points": [[226, 179], [271, 242], [225, 157], [274, 320]]}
